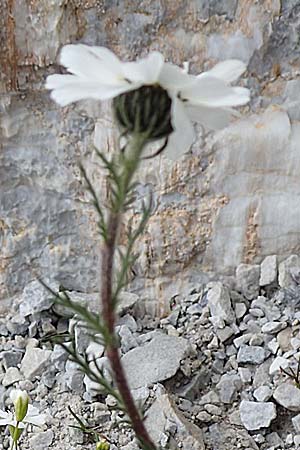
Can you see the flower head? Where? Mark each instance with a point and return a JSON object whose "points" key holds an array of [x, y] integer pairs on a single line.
{"points": [[96, 73], [21, 403], [20, 400]]}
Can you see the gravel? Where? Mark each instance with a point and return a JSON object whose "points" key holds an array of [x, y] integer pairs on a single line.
{"points": [[208, 375]]}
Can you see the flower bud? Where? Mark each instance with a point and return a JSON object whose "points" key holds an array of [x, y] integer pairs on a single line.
{"points": [[145, 110], [103, 445], [20, 400]]}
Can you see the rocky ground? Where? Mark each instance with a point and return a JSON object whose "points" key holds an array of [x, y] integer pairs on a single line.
{"points": [[209, 374]]}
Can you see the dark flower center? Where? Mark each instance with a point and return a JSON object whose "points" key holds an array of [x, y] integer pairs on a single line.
{"points": [[145, 110]]}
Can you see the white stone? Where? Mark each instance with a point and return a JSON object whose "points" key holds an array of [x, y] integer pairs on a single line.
{"points": [[273, 346], [295, 343], [42, 440], [36, 298], [245, 374], [296, 423], [240, 310], [12, 375], [256, 415], [219, 303], [247, 276], [288, 396], [251, 354], [263, 393], [288, 271], [268, 270], [244, 339], [163, 411], [34, 362], [273, 327], [155, 361], [278, 363]]}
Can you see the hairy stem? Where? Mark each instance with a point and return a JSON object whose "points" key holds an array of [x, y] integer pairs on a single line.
{"points": [[128, 169]]}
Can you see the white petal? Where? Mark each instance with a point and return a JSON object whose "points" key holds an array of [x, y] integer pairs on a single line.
{"points": [[209, 91], [172, 77], [70, 88], [18, 393], [210, 118], [227, 71], [146, 70], [183, 136], [34, 417], [5, 415], [92, 63], [38, 421]]}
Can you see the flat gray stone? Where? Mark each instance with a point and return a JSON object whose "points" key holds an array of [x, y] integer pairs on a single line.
{"points": [[279, 363], [256, 415], [128, 341], [34, 362], [288, 396], [240, 310], [263, 393], [284, 339], [155, 361], [74, 377], [12, 375], [296, 423], [228, 387], [273, 327], [268, 270], [288, 272], [42, 440], [161, 415], [251, 354], [11, 358], [219, 303], [36, 298], [248, 280]]}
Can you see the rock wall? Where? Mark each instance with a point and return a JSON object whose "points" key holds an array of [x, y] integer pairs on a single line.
{"points": [[234, 198]]}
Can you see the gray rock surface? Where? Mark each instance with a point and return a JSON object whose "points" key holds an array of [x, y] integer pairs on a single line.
{"points": [[296, 423], [273, 327], [163, 411], [34, 362], [268, 270], [256, 415], [288, 396], [263, 393], [242, 191], [219, 304], [228, 387], [247, 280], [36, 298], [12, 375], [42, 440], [278, 364], [289, 271], [251, 354], [156, 361]]}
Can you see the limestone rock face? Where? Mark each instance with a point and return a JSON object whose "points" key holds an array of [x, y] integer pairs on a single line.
{"points": [[221, 205]]}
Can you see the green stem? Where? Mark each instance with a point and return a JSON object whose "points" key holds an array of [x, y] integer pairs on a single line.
{"points": [[129, 165]]}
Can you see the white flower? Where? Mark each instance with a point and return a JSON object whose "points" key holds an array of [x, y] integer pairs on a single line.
{"points": [[20, 400], [7, 418], [96, 73], [32, 417]]}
